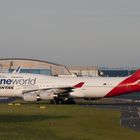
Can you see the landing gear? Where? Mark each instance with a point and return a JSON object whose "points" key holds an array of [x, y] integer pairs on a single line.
{"points": [[69, 101], [62, 101], [56, 101]]}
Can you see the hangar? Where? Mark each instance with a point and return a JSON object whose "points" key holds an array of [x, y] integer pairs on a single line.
{"points": [[33, 66], [88, 71]]}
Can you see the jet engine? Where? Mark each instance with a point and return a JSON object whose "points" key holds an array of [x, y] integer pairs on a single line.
{"points": [[39, 95], [47, 95], [30, 97]]}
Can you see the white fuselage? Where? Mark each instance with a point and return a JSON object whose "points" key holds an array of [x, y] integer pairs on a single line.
{"points": [[13, 85]]}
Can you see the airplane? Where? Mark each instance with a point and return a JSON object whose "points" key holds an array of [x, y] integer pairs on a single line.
{"points": [[34, 87]]}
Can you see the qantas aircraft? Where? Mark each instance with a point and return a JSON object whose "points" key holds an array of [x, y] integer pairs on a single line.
{"points": [[33, 87]]}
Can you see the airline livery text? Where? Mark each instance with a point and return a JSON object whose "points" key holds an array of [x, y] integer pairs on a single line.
{"points": [[18, 81]]}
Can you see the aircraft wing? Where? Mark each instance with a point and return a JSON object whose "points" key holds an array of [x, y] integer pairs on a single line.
{"points": [[57, 90]]}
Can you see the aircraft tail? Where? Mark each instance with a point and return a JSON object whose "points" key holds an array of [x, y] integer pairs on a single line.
{"points": [[17, 70], [128, 85], [137, 73]]}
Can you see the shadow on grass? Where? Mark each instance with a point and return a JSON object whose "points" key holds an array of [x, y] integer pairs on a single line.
{"points": [[29, 118]]}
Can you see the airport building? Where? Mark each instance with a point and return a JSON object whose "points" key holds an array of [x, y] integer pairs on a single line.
{"points": [[117, 72], [33, 66], [49, 68], [95, 71], [85, 71]]}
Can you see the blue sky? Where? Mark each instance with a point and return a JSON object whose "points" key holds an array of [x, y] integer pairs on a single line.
{"points": [[72, 32]]}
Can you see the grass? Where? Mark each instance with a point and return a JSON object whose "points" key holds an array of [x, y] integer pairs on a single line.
{"points": [[61, 122]]}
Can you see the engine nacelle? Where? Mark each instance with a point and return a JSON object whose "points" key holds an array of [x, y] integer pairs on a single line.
{"points": [[47, 95], [30, 97], [39, 95]]}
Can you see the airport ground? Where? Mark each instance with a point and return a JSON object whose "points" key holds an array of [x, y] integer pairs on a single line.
{"points": [[41, 121]]}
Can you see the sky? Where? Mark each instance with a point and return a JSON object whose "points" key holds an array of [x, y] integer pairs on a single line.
{"points": [[72, 32]]}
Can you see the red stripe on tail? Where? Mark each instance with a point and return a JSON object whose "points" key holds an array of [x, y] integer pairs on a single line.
{"points": [[126, 86]]}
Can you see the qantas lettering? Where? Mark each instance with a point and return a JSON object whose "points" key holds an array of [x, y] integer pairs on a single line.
{"points": [[6, 87]]}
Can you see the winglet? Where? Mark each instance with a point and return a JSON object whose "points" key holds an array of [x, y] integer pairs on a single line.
{"points": [[79, 85]]}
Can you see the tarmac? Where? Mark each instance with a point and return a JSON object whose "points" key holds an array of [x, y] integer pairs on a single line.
{"points": [[130, 114]]}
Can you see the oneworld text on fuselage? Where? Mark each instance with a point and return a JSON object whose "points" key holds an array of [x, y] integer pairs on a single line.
{"points": [[18, 81]]}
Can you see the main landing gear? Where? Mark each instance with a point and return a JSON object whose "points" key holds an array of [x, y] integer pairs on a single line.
{"points": [[62, 101]]}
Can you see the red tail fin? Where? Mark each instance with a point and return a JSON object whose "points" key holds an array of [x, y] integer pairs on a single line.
{"points": [[137, 73]]}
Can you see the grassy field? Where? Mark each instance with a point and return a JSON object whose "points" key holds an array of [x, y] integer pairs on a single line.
{"points": [[61, 122]]}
